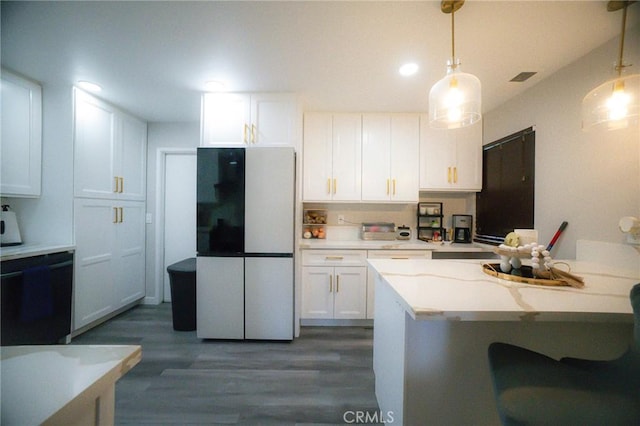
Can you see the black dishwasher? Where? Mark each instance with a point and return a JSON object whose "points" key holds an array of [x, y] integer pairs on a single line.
{"points": [[36, 299]]}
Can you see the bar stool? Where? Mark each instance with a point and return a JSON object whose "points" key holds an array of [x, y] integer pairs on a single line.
{"points": [[531, 388]]}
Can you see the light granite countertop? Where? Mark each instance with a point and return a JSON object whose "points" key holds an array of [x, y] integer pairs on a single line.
{"points": [[50, 378], [460, 290], [29, 250], [412, 244]]}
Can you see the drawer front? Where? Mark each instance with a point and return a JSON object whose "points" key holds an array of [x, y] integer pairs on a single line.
{"points": [[334, 257], [399, 254]]}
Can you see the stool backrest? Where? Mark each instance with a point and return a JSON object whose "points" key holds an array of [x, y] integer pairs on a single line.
{"points": [[635, 304]]}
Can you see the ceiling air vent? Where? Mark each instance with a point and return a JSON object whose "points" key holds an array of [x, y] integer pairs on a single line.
{"points": [[523, 76]]}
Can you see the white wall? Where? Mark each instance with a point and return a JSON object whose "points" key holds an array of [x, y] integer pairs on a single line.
{"points": [[49, 218], [590, 179], [161, 136]]}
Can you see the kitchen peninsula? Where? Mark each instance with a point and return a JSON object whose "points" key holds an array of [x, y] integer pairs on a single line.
{"points": [[435, 319]]}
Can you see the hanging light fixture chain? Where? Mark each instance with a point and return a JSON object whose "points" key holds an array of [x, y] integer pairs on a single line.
{"points": [[453, 39], [620, 65]]}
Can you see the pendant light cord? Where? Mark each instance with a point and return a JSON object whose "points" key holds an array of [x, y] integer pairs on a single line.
{"points": [[620, 65], [453, 40]]}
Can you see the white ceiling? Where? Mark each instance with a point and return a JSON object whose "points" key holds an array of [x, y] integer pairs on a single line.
{"points": [[152, 58]]}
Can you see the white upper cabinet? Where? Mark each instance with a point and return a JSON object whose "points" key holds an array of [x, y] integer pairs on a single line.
{"points": [[332, 157], [21, 124], [249, 120], [109, 151], [450, 160], [390, 157]]}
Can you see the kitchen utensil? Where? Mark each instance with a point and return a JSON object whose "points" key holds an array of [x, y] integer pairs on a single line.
{"points": [[562, 227]]}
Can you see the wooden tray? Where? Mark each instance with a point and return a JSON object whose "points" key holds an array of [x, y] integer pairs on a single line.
{"points": [[527, 277]]}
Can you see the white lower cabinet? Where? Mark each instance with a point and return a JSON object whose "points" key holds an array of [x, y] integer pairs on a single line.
{"points": [[109, 257], [334, 284]]}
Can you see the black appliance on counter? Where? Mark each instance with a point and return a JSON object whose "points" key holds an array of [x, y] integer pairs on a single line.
{"points": [[36, 299], [461, 224]]}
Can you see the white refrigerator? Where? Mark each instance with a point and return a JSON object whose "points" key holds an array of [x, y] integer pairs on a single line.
{"points": [[245, 233]]}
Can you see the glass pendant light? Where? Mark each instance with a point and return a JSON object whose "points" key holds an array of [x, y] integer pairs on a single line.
{"points": [[615, 104], [455, 100]]}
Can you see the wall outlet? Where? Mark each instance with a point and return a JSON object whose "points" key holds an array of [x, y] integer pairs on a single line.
{"points": [[340, 219]]}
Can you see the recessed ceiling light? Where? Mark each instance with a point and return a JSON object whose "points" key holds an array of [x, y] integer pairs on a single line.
{"points": [[408, 69], [89, 86], [215, 86]]}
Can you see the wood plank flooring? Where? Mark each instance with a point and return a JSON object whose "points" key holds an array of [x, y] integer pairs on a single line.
{"points": [[324, 377]]}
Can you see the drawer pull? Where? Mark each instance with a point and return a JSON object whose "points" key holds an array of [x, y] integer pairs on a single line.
{"points": [[399, 257], [333, 258]]}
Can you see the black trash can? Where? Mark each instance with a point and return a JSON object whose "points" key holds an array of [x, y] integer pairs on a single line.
{"points": [[182, 279]]}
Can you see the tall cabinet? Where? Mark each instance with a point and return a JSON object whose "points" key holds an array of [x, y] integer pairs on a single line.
{"points": [[109, 208]]}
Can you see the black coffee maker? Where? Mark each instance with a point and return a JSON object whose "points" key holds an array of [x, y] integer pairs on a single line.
{"points": [[462, 228]]}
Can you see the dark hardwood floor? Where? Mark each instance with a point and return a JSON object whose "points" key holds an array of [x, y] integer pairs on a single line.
{"points": [[323, 377]]}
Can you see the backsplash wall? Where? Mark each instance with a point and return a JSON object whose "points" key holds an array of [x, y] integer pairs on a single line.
{"points": [[400, 214]]}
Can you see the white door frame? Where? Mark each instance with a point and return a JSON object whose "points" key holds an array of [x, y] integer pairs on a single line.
{"points": [[161, 161]]}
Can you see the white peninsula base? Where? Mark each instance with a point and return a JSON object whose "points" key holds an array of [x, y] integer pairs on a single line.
{"points": [[430, 361]]}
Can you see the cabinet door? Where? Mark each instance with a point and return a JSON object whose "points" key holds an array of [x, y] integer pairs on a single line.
{"points": [[220, 300], [405, 158], [21, 147], [468, 172], [94, 148], [317, 292], [269, 298], [350, 293], [376, 153], [316, 157], [437, 157], [347, 157], [130, 251], [95, 260], [273, 120], [225, 119], [132, 158]]}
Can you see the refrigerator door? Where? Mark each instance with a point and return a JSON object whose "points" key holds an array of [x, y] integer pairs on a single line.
{"points": [[220, 297], [269, 200], [220, 197], [269, 298]]}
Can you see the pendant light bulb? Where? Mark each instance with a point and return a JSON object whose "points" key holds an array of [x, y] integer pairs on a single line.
{"points": [[454, 101], [615, 104]]}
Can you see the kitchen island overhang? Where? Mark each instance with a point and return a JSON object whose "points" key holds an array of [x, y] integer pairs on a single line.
{"points": [[435, 319]]}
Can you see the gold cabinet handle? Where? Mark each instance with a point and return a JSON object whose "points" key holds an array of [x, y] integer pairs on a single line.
{"points": [[333, 258], [387, 186], [399, 258], [121, 184], [244, 134], [394, 187], [449, 174], [253, 133], [116, 184], [330, 283], [335, 185], [115, 215], [328, 185], [121, 214], [337, 283], [455, 175]]}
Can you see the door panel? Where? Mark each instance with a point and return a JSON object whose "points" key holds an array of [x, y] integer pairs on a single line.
{"points": [[269, 202], [269, 298]]}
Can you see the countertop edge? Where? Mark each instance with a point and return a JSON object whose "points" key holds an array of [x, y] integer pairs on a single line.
{"points": [[30, 250]]}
